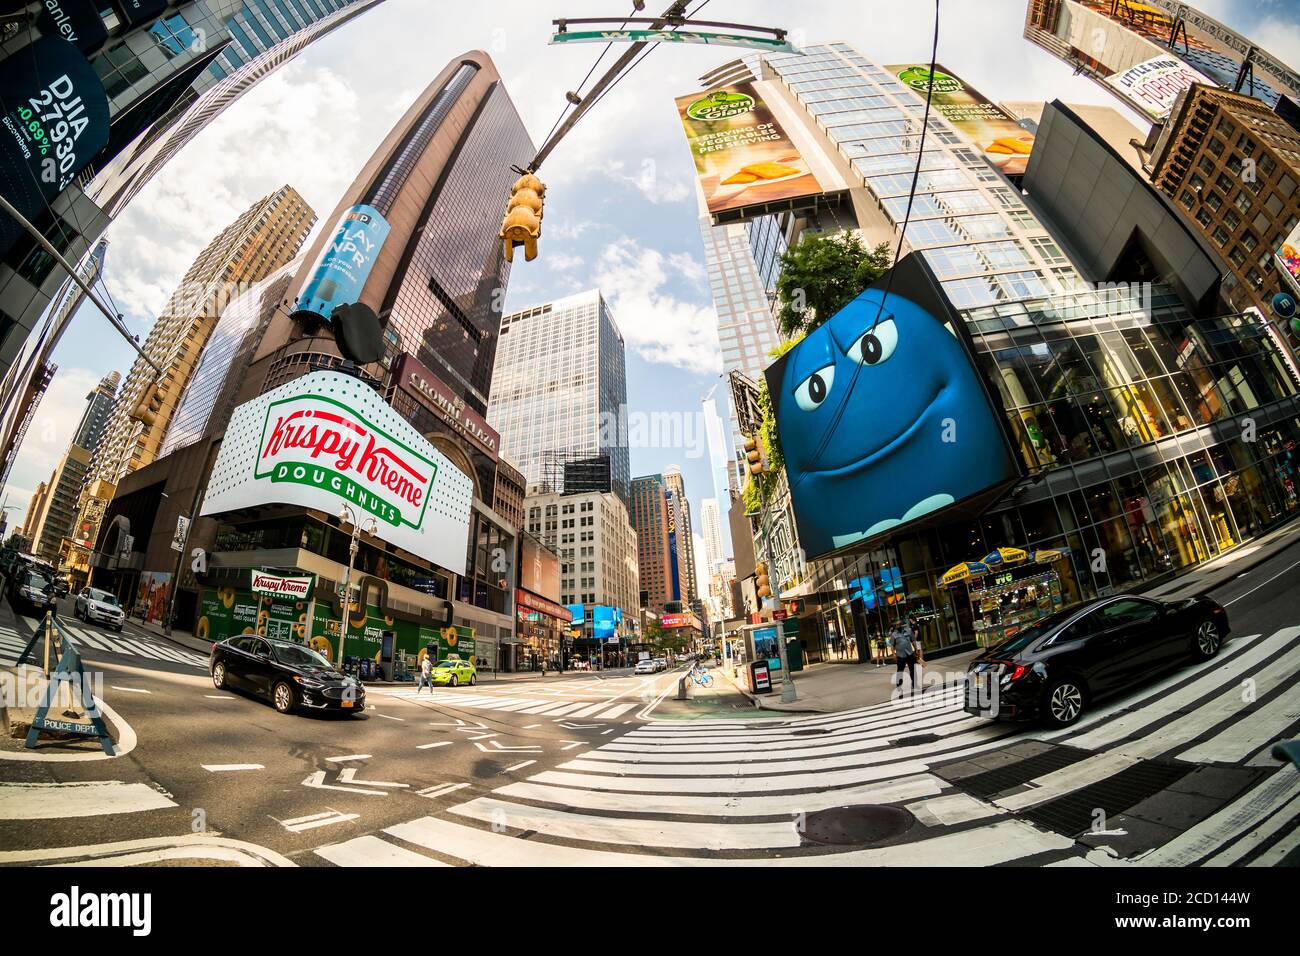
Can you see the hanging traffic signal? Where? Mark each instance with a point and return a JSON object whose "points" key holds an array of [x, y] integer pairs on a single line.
{"points": [[756, 455], [522, 224], [147, 409], [762, 586]]}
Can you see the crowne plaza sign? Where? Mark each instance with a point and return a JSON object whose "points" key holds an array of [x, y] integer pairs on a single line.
{"points": [[328, 439]]}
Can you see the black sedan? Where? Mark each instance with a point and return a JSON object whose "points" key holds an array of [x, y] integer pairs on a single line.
{"points": [[1056, 667], [289, 675]]}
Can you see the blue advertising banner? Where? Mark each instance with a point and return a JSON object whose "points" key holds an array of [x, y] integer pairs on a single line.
{"points": [[345, 264], [602, 618], [884, 419], [579, 613], [55, 121]]}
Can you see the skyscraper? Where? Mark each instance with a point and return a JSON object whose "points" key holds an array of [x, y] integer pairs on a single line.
{"points": [[711, 529], [658, 565], [560, 395], [690, 580], [266, 236], [53, 522]]}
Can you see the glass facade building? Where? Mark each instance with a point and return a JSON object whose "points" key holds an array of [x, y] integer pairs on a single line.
{"points": [[445, 306], [561, 386], [1151, 438], [247, 314]]}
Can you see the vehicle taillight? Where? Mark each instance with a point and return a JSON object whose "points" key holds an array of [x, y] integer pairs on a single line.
{"points": [[1018, 673]]}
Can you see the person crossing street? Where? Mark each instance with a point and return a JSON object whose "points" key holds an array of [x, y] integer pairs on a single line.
{"points": [[905, 654]]}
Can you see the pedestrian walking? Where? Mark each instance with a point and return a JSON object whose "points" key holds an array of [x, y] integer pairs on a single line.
{"points": [[426, 674], [905, 655]]}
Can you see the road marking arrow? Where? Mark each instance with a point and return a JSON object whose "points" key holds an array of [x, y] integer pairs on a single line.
{"points": [[349, 776], [500, 748], [317, 782]]}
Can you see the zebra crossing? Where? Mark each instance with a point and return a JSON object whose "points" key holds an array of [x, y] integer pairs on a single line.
{"points": [[12, 643], [522, 703], [730, 792]]}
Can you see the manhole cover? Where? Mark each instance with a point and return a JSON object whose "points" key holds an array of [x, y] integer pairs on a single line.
{"points": [[809, 731], [855, 826], [916, 739]]}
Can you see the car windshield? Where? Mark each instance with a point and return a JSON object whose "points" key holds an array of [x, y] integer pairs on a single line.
{"points": [[103, 597], [37, 580], [1026, 636], [449, 663], [299, 656]]}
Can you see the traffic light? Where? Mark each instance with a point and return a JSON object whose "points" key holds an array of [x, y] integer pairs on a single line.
{"points": [[756, 455], [762, 586], [522, 224], [147, 409]]}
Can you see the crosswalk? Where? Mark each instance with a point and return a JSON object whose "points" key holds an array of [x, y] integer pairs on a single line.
{"points": [[12, 643], [591, 699], [726, 792]]}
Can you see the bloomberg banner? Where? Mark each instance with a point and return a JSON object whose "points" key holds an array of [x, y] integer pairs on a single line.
{"points": [[327, 440], [55, 121], [345, 263], [882, 416]]}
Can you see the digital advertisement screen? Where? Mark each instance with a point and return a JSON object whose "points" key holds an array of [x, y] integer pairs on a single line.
{"points": [[1002, 141], [602, 620], [742, 155], [884, 422], [539, 571]]}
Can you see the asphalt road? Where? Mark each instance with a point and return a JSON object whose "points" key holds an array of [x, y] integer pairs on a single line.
{"points": [[585, 769]]}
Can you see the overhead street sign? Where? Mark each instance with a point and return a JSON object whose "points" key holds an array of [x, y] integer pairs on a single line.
{"points": [[770, 44]]}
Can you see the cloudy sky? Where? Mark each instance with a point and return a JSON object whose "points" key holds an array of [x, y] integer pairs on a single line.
{"points": [[620, 212]]}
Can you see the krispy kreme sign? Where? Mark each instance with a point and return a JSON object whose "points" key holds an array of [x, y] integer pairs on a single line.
{"points": [[277, 585], [327, 440]]}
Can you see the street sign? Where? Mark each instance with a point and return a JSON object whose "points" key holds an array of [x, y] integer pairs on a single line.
{"points": [[182, 529], [771, 44]]}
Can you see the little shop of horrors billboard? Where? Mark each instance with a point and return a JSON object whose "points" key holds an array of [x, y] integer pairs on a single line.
{"points": [[327, 440], [884, 419]]}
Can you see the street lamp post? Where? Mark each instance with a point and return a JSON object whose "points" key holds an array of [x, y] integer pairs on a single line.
{"points": [[348, 516], [787, 679]]}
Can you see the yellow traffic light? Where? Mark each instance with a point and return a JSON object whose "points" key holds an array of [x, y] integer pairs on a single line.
{"points": [[756, 455], [762, 585], [146, 410], [522, 224]]}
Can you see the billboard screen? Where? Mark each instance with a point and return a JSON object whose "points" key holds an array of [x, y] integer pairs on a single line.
{"points": [[602, 622], [882, 416], [55, 120], [539, 570], [346, 261], [1288, 259], [327, 440], [1153, 85], [742, 155], [1002, 141]]}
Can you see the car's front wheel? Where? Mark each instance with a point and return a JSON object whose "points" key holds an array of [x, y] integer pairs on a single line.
{"points": [[453, 682], [219, 675], [1208, 640], [473, 679], [1065, 702], [282, 697]]}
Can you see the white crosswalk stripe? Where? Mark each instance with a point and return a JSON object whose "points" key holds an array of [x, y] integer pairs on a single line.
{"points": [[726, 792], [12, 643]]}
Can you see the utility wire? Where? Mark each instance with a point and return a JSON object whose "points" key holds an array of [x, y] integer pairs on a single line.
{"points": [[898, 248]]}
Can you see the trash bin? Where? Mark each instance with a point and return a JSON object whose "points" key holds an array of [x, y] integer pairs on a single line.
{"points": [[760, 677]]}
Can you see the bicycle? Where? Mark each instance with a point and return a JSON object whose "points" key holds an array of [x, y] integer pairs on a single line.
{"points": [[701, 677]]}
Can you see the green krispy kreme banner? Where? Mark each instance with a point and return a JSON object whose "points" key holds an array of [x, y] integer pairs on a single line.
{"points": [[365, 636], [226, 611]]}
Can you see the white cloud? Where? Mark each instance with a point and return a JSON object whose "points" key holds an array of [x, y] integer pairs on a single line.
{"points": [[656, 324], [648, 180], [563, 261], [49, 434]]}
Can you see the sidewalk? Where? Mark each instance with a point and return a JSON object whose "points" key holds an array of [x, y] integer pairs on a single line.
{"points": [[1225, 567]]}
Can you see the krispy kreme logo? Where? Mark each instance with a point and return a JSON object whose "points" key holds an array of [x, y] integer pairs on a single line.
{"points": [[319, 442], [277, 584]]}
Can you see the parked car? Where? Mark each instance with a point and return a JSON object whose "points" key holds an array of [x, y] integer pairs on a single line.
{"points": [[454, 671], [646, 666], [1058, 666], [31, 587], [99, 607], [289, 675]]}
